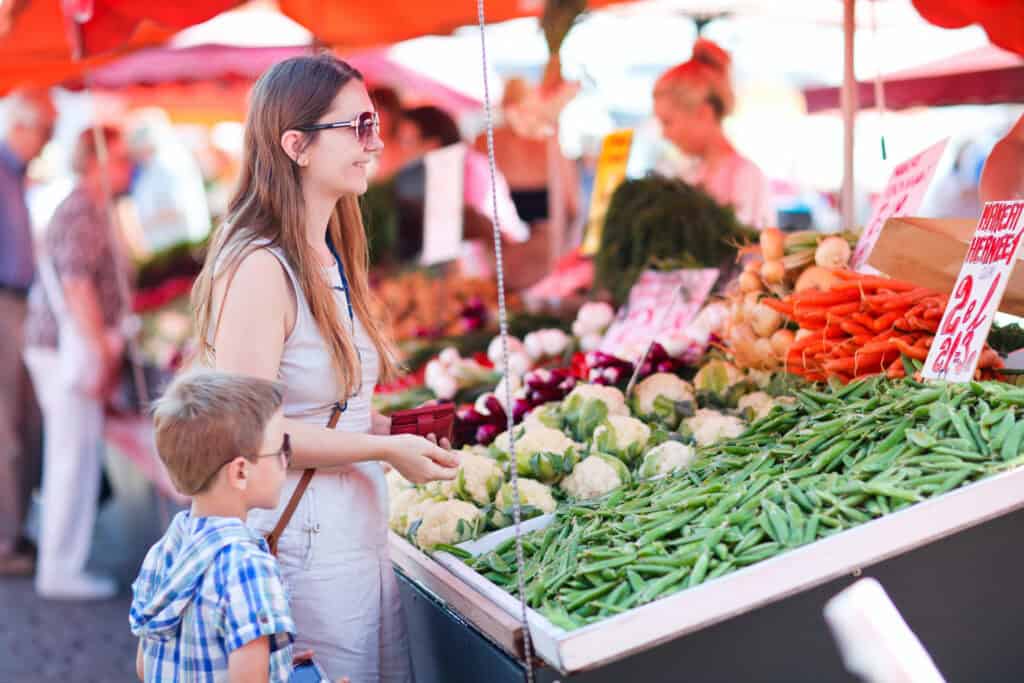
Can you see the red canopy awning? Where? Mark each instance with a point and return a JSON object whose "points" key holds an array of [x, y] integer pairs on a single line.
{"points": [[987, 75], [37, 43], [222, 75], [1003, 20]]}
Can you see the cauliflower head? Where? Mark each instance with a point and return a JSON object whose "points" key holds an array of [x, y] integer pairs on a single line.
{"points": [[660, 385], [588, 405], [623, 437], [399, 508], [756, 405], [447, 522], [717, 376], [710, 426], [547, 415], [396, 483], [595, 476], [535, 499], [611, 397], [666, 458], [478, 479], [440, 490], [541, 452]]}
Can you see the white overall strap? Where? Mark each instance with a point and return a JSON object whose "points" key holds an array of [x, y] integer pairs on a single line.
{"points": [[50, 282]]}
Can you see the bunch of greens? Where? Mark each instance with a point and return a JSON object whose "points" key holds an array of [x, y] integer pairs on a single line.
{"points": [[663, 223]]}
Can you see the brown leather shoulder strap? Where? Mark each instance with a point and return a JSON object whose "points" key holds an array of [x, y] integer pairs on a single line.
{"points": [[307, 476]]}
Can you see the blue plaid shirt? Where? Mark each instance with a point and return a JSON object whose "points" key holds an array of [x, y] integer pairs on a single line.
{"points": [[207, 588]]}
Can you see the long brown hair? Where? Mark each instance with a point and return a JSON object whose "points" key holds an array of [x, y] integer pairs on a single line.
{"points": [[268, 205]]}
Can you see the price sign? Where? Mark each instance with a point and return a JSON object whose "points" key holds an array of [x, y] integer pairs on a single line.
{"points": [[442, 212], [658, 302], [979, 289], [902, 196], [611, 171]]}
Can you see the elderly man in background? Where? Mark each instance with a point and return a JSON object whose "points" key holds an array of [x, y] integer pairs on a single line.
{"points": [[30, 118]]}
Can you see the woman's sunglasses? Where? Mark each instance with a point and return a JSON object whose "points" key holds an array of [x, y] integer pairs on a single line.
{"points": [[366, 126]]}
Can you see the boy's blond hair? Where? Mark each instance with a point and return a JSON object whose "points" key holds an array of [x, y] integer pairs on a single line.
{"points": [[207, 418]]}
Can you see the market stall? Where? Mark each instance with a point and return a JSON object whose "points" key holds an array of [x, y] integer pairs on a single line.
{"points": [[670, 482]]}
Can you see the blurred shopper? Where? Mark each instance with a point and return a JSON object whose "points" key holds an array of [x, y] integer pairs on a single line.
{"points": [[74, 352], [427, 129], [169, 194], [30, 122], [391, 158], [1003, 175], [521, 152], [691, 100]]}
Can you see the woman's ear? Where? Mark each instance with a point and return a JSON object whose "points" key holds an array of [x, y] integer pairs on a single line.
{"points": [[293, 142]]}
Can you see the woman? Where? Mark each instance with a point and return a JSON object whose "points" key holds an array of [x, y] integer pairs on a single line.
{"points": [[284, 295], [690, 101], [1003, 175], [73, 352]]}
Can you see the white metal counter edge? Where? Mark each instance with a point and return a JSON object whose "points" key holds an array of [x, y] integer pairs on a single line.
{"points": [[760, 584]]}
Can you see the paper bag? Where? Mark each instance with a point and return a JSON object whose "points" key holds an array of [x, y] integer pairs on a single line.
{"points": [[930, 251]]}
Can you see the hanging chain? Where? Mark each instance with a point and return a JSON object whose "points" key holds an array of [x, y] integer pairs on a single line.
{"points": [[503, 324]]}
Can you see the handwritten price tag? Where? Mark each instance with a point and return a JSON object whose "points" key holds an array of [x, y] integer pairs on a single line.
{"points": [[659, 302], [902, 195], [979, 289]]}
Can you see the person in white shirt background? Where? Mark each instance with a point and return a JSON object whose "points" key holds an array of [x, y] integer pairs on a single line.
{"points": [[168, 192], [691, 100]]}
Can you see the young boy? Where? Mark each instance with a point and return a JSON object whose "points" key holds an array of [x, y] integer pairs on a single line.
{"points": [[209, 601]]}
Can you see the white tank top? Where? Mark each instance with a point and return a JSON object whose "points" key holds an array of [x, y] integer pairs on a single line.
{"points": [[348, 505]]}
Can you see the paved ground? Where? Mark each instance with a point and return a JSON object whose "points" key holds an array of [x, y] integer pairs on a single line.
{"points": [[58, 642], [45, 641]]}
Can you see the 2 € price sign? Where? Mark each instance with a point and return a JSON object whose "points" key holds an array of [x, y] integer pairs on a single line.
{"points": [[977, 294]]}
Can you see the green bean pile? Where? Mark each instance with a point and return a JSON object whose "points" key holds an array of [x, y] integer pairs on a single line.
{"points": [[834, 460]]}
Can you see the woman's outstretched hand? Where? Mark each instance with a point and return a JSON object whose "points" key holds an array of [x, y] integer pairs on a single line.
{"points": [[421, 460]]}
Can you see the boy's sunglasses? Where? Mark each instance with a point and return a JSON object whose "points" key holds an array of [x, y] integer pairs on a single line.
{"points": [[285, 450], [366, 126]]}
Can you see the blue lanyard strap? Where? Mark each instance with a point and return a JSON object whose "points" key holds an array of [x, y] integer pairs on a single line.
{"points": [[342, 407], [344, 279]]}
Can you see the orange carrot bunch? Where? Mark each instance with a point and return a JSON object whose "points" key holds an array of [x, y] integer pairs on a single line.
{"points": [[864, 326]]}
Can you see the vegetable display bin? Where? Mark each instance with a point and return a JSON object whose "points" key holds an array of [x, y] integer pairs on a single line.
{"points": [[951, 565]]}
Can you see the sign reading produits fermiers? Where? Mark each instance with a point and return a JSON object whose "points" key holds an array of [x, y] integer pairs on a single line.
{"points": [[979, 289]]}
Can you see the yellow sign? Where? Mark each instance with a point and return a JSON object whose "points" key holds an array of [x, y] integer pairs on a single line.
{"points": [[611, 171]]}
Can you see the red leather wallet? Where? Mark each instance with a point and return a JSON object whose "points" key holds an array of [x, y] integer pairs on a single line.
{"points": [[438, 420]]}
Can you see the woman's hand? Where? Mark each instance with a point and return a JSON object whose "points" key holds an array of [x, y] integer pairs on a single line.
{"points": [[380, 424], [419, 460]]}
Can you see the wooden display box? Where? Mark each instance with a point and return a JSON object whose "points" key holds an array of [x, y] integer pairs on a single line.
{"points": [[930, 251]]}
